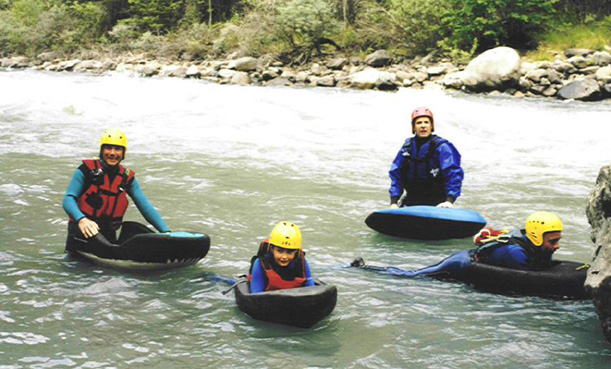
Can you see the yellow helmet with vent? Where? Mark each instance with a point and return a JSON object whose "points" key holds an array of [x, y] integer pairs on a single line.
{"points": [[539, 223], [286, 235], [114, 137]]}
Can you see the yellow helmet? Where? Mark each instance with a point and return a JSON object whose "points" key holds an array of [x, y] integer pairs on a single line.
{"points": [[114, 137], [539, 223], [286, 235]]}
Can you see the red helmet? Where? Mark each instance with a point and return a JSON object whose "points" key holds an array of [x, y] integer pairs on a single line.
{"points": [[422, 112]]}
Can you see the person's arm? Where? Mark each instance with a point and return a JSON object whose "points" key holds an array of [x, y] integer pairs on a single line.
{"points": [[308, 274], [511, 256], [449, 163], [88, 227], [396, 186], [74, 191], [257, 283], [146, 208]]}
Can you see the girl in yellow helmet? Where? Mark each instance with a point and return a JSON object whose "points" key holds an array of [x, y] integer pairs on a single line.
{"points": [[280, 262]]}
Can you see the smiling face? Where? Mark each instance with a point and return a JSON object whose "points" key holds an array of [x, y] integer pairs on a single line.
{"points": [[112, 154], [423, 127], [551, 241], [282, 256]]}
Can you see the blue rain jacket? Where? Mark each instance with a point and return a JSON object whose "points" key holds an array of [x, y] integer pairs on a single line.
{"points": [[428, 171]]}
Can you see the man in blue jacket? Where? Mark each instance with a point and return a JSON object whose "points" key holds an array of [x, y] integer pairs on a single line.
{"points": [[96, 199], [427, 167], [525, 249]]}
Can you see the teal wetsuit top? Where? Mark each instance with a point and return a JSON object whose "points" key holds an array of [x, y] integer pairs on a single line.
{"points": [[76, 188]]}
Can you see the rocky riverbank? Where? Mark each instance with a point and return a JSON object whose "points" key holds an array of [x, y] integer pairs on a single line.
{"points": [[598, 281], [577, 74]]}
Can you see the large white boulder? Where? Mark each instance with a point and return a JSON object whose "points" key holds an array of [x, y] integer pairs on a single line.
{"points": [[493, 69]]}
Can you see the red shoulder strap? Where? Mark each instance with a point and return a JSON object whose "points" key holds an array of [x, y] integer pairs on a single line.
{"points": [[92, 164], [127, 173]]}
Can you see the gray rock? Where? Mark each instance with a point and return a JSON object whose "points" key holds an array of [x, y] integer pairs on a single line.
{"points": [[209, 72], [108, 65], [226, 73], [355, 60], [583, 89], [290, 75], [525, 83], [601, 58], [549, 91], [240, 78], [436, 71], [280, 81], [48, 56], [535, 75], [565, 67], [302, 77], [379, 58], [245, 64], [370, 78], [578, 62], [544, 65], [193, 72], [318, 70], [125, 67], [269, 74], [217, 65], [537, 89], [604, 74], [569, 53], [453, 80], [148, 70], [403, 75], [212, 79], [590, 70], [20, 62], [337, 63], [90, 64], [553, 76], [420, 77], [68, 65], [173, 71], [598, 281], [497, 68], [326, 81], [387, 84]]}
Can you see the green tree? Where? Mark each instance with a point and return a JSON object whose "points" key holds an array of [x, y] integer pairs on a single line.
{"points": [[495, 22], [156, 16], [303, 23]]}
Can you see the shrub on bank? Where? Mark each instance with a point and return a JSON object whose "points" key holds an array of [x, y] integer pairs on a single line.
{"points": [[31, 26], [297, 29]]}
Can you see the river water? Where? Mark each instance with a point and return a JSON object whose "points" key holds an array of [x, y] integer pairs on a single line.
{"points": [[231, 161]]}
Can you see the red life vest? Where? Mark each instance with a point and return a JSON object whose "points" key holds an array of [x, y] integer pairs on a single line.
{"points": [[279, 278], [104, 199]]}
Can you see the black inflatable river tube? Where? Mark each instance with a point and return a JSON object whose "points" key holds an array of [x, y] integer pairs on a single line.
{"points": [[564, 280], [146, 250], [298, 307]]}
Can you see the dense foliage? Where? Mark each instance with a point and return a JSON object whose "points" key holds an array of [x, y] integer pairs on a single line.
{"points": [[294, 28]]}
